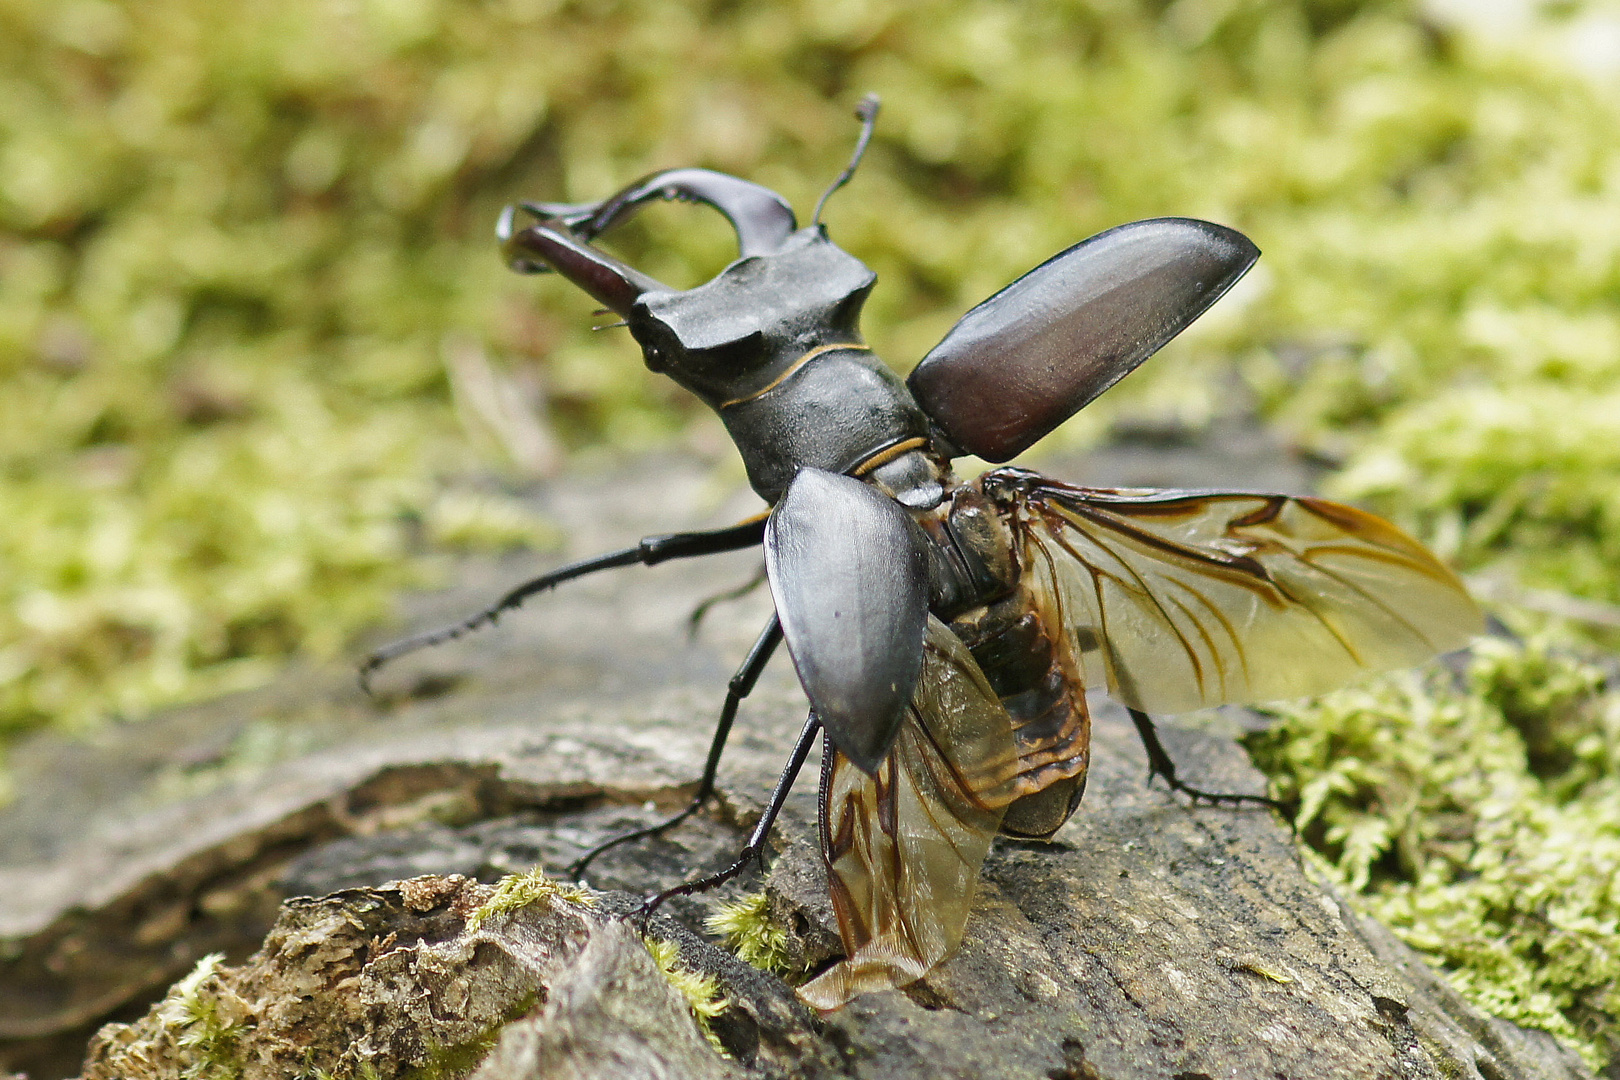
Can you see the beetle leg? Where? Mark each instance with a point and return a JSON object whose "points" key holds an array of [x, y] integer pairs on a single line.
{"points": [[651, 551], [755, 849], [694, 620], [1159, 764], [741, 685]]}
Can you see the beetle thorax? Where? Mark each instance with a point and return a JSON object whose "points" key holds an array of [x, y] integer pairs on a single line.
{"points": [[773, 345]]}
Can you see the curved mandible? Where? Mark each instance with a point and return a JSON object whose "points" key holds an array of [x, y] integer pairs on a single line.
{"points": [[551, 245], [762, 218]]}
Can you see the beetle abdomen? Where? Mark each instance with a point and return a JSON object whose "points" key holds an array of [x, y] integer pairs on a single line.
{"points": [[1051, 726]]}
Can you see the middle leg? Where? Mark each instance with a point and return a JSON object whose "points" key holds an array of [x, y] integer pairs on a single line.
{"points": [[755, 848], [741, 685], [650, 552]]}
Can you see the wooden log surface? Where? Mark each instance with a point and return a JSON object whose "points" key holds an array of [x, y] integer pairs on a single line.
{"points": [[1152, 939]]}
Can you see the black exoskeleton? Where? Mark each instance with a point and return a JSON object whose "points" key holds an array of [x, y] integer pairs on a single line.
{"points": [[945, 632]]}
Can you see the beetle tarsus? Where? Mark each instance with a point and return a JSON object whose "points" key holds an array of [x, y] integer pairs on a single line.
{"points": [[741, 685], [755, 848], [1159, 764], [576, 869], [653, 903]]}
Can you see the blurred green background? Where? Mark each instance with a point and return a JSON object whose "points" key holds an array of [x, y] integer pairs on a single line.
{"points": [[255, 339]]}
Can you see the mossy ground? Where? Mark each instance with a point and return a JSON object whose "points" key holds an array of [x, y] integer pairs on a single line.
{"points": [[746, 927], [254, 336], [1479, 818], [516, 891], [701, 992]]}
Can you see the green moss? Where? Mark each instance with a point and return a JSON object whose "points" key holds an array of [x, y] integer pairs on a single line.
{"points": [[365, 1070], [206, 1032], [702, 992], [748, 930], [253, 317], [516, 891], [1419, 797], [254, 335]]}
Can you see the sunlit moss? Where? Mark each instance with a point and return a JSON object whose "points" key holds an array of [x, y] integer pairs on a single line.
{"points": [[516, 891], [701, 992], [1481, 823], [205, 1030], [749, 931]]}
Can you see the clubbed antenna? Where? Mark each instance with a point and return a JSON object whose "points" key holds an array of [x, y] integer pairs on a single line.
{"points": [[866, 112]]}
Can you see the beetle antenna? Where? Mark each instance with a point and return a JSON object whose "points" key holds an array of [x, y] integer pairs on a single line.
{"points": [[612, 325], [866, 112]]}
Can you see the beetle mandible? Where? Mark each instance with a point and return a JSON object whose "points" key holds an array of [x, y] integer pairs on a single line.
{"points": [[945, 632]]}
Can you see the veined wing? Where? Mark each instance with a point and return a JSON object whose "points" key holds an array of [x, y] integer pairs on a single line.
{"points": [[1183, 600], [904, 846]]}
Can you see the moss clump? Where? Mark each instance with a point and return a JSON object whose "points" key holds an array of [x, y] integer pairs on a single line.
{"points": [[1481, 823], [748, 930], [205, 1029], [365, 1070], [517, 891], [702, 992]]}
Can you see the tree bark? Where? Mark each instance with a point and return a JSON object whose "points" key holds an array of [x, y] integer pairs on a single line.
{"points": [[1151, 939]]}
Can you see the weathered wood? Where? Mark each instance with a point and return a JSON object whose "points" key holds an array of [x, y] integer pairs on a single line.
{"points": [[395, 979], [1153, 939]]}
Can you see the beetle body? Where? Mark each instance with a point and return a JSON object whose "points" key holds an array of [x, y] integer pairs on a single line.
{"points": [[945, 632]]}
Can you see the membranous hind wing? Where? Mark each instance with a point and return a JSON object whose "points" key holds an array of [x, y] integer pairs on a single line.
{"points": [[904, 845], [1184, 600]]}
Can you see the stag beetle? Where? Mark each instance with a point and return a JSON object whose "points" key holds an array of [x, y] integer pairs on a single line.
{"points": [[944, 632]]}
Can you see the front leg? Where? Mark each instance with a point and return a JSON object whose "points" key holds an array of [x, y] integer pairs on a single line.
{"points": [[651, 551]]}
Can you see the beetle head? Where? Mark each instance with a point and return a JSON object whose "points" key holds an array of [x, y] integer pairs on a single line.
{"points": [[760, 312], [790, 291]]}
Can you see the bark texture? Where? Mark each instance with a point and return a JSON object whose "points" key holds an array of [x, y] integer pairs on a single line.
{"points": [[1152, 939]]}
